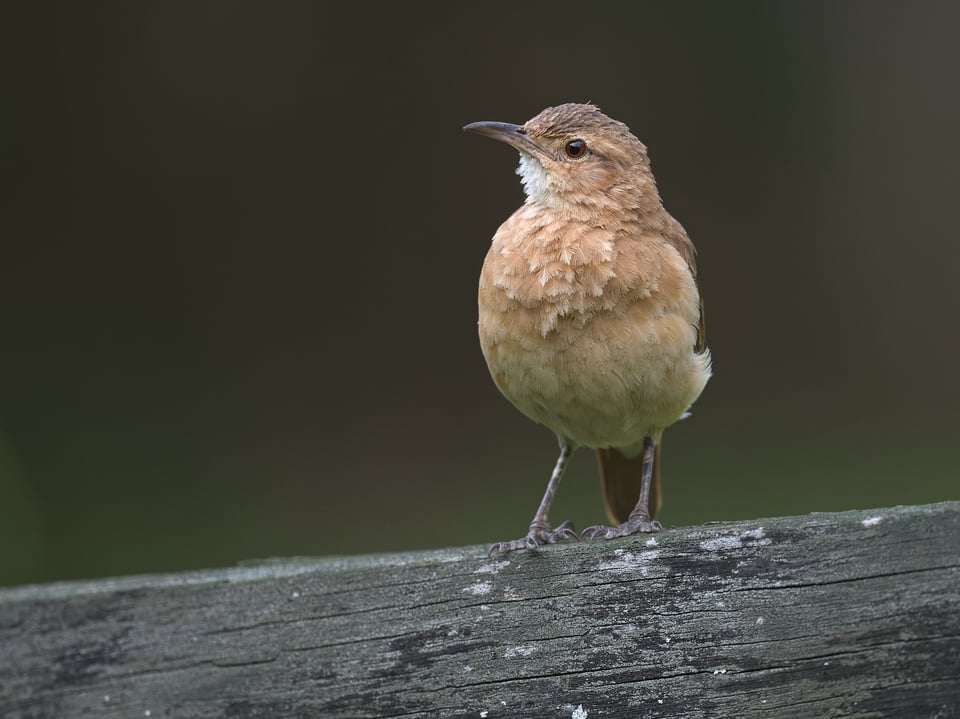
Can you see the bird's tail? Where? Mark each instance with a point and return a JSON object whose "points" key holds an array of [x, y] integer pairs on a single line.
{"points": [[621, 477]]}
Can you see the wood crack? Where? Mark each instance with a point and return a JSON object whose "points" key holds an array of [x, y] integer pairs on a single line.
{"points": [[843, 615]]}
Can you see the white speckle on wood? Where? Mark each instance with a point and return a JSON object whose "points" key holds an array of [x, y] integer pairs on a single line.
{"points": [[871, 521], [628, 561], [524, 650], [719, 671], [579, 713], [512, 594], [483, 714], [652, 542], [750, 537], [760, 620], [295, 595], [626, 630], [479, 589], [492, 568], [106, 697], [659, 701]]}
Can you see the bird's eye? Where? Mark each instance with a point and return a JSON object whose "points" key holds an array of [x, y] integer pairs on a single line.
{"points": [[575, 149]]}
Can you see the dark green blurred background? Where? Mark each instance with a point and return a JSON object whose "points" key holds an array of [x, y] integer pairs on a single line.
{"points": [[241, 244]]}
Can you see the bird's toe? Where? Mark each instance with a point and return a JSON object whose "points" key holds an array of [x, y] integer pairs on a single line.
{"points": [[564, 532], [628, 528]]}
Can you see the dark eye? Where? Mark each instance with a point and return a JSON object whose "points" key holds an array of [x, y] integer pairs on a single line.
{"points": [[575, 149]]}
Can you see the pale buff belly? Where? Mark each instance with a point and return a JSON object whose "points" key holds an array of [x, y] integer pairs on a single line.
{"points": [[605, 381]]}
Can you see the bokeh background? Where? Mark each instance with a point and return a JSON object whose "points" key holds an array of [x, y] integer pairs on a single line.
{"points": [[241, 243]]}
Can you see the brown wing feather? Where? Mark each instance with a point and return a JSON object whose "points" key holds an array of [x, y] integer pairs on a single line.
{"points": [[620, 477], [680, 241]]}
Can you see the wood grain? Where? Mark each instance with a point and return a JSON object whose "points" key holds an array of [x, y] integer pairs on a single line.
{"points": [[855, 614]]}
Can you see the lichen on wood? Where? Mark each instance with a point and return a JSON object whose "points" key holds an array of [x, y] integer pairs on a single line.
{"points": [[853, 614]]}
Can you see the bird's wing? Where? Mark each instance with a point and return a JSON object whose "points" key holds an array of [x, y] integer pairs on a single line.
{"points": [[679, 240]]}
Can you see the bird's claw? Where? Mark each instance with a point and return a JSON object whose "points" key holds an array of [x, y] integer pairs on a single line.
{"points": [[537, 536], [631, 526]]}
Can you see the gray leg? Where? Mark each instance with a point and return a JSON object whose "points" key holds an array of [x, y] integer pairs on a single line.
{"points": [[639, 519], [540, 532]]}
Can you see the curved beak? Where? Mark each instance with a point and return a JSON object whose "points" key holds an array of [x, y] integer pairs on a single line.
{"points": [[514, 135]]}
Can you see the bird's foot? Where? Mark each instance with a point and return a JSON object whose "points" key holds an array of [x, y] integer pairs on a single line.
{"points": [[633, 525], [538, 534]]}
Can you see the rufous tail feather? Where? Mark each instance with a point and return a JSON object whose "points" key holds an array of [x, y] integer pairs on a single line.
{"points": [[621, 477]]}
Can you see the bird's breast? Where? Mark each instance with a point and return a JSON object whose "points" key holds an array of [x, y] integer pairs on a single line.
{"points": [[544, 268], [590, 330]]}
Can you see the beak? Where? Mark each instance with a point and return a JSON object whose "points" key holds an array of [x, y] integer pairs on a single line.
{"points": [[514, 135]]}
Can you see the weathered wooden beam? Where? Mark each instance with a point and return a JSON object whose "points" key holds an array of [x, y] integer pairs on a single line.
{"points": [[855, 614]]}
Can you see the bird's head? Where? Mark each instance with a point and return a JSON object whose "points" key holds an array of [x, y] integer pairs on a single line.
{"points": [[574, 154]]}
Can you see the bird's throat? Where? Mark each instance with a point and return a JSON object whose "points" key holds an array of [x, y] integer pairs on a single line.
{"points": [[535, 180]]}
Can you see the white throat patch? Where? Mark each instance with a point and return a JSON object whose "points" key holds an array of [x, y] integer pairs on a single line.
{"points": [[533, 177]]}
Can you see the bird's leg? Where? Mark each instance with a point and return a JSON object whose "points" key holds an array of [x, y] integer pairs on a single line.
{"points": [[639, 519], [540, 532]]}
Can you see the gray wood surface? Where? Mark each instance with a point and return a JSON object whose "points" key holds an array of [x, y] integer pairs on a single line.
{"points": [[854, 614]]}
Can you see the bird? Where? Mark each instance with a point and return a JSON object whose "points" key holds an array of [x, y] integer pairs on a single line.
{"points": [[591, 319]]}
